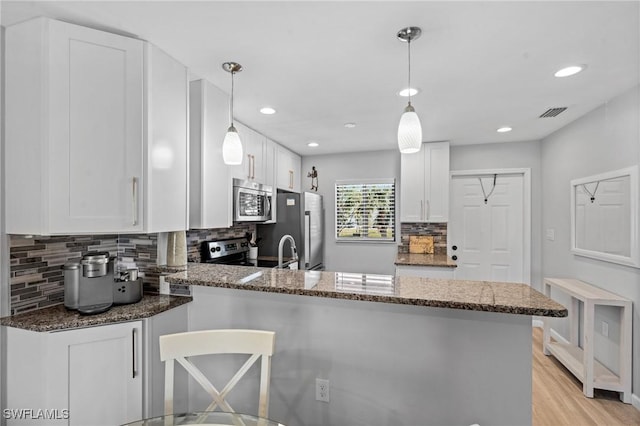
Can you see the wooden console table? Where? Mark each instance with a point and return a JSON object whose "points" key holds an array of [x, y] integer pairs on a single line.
{"points": [[581, 361]]}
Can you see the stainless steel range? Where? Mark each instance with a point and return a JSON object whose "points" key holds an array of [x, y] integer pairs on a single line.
{"points": [[234, 251]]}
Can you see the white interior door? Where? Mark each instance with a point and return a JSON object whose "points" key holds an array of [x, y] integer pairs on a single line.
{"points": [[488, 237]]}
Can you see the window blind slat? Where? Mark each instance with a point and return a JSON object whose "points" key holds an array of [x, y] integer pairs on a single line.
{"points": [[365, 211]]}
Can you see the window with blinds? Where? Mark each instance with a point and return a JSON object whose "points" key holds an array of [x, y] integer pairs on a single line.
{"points": [[366, 210]]}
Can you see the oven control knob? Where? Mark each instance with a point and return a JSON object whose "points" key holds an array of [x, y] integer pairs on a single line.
{"points": [[244, 244], [217, 248], [212, 250]]}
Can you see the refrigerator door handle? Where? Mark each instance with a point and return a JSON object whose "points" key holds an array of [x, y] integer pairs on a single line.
{"points": [[307, 238]]}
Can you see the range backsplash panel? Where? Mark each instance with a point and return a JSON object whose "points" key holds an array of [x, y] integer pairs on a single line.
{"points": [[437, 230], [35, 263]]}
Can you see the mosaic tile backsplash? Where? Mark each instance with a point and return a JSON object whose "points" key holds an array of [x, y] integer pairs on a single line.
{"points": [[437, 230], [36, 275]]}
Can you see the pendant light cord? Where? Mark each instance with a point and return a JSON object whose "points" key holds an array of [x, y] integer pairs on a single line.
{"points": [[409, 83], [231, 101]]}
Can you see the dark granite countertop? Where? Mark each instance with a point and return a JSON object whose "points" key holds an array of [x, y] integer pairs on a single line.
{"points": [[412, 259], [510, 298], [57, 317]]}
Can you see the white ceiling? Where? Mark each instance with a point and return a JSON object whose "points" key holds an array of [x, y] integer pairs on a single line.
{"points": [[479, 65]]}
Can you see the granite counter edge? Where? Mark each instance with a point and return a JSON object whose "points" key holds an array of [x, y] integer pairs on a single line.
{"points": [[469, 306], [117, 314]]}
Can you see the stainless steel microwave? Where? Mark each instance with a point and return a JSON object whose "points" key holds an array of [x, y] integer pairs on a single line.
{"points": [[251, 201]]}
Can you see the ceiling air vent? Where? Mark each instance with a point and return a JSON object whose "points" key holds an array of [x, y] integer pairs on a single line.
{"points": [[552, 112]]}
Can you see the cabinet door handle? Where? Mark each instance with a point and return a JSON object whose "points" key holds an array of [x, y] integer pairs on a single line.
{"points": [[134, 366], [428, 210], [249, 166], [253, 167], [421, 210], [134, 195], [290, 179]]}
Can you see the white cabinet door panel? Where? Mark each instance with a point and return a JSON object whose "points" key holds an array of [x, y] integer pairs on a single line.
{"points": [[165, 206], [210, 179], [96, 106], [412, 187], [100, 380], [289, 166], [424, 183]]}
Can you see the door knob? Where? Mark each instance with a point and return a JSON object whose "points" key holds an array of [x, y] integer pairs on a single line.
{"points": [[454, 257], [454, 248]]}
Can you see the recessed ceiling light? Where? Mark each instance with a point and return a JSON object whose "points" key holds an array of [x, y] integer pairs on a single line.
{"points": [[409, 92], [267, 110], [349, 125], [568, 71], [504, 129], [313, 144]]}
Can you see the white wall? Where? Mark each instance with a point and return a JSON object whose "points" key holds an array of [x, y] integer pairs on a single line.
{"points": [[509, 156], [4, 274], [605, 139], [348, 256]]}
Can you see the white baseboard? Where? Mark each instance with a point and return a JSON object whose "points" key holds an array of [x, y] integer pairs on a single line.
{"points": [[635, 401], [537, 323]]}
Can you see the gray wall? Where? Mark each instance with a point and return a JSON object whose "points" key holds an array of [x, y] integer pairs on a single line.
{"points": [[350, 256], [510, 156], [605, 139]]}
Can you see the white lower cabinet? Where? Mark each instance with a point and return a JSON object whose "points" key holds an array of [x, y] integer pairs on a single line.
{"points": [[89, 376], [438, 272], [94, 376]]}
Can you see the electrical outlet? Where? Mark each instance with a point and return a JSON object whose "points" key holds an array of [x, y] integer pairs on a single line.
{"points": [[605, 329], [322, 390]]}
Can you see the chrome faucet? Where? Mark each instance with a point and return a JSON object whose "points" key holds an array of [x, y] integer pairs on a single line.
{"points": [[294, 252]]}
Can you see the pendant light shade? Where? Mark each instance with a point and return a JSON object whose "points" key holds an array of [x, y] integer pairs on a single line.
{"points": [[409, 129], [232, 146], [409, 132]]}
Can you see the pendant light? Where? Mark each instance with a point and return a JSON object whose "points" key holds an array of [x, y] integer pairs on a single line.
{"points": [[409, 129], [232, 146]]}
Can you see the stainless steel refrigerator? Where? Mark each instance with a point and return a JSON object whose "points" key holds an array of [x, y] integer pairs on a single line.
{"points": [[302, 217]]}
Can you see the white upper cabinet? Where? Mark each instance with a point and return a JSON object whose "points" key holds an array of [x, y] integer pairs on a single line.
{"points": [[424, 183], [253, 149], [270, 174], [289, 166], [87, 124], [166, 149], [210, 183]]}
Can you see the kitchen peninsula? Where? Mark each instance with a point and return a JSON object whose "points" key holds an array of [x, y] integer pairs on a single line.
{"points": [[396, 350]]}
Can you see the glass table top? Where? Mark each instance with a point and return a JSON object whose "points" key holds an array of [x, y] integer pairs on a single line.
{"points": [[210, 418]]}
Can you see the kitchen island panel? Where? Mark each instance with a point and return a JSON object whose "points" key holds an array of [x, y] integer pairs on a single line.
{"points": [[386, 363]]}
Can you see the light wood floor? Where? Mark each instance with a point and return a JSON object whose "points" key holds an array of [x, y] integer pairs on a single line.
{"points": [[558, 398]]}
